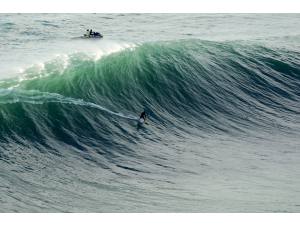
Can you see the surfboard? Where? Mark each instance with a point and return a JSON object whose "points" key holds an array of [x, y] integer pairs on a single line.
{"points": [[141, 121]]}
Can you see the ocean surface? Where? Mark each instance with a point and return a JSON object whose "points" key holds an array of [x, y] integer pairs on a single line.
{"points": [[222, 92]]}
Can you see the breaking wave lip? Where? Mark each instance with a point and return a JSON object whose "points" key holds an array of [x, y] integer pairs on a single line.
{"points": [[61, 52]]}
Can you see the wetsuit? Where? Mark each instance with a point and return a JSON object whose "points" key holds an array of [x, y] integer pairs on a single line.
{"points": [[143, 115]]}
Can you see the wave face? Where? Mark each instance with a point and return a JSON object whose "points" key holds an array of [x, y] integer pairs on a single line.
{"points": [[207, 85], [208, 102]]}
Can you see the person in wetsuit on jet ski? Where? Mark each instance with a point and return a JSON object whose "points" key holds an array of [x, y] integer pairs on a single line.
{"points": [[87, 33], [91, 34]]}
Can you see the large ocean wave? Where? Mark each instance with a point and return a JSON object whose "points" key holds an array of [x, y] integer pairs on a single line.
{"points": [[216, 87], [89, 107]]}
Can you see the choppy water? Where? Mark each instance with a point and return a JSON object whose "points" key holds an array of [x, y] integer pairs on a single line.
{"points": [[222, 92]]}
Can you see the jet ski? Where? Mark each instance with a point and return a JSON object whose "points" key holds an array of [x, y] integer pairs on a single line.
{"points": [[93, 35]]}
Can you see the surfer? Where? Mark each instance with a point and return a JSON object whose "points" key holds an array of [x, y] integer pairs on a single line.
{"points": [[143, 115]]}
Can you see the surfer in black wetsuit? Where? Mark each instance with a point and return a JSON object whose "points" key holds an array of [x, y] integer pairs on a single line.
{"points": [[143, 115]]}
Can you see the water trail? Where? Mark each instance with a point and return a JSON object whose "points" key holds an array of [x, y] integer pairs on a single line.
{"points": [[8, 96]]}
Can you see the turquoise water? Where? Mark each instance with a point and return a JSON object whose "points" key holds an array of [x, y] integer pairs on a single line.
{"points": [[221, 91]]}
